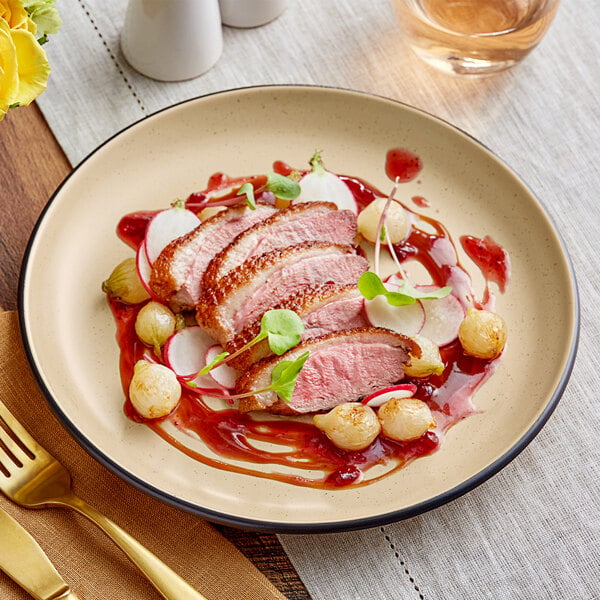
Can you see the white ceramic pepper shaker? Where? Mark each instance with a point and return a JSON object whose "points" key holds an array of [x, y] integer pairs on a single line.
{"points": [[172, 40], [250, 13]]}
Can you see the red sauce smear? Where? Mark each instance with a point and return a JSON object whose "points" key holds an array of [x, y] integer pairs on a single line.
{"points": [[132, 228], [296, 444], [402, 164], [493, 260], [420, 201]]}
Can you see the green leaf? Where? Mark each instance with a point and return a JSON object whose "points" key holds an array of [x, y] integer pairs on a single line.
{"points": [[45, 15], [248, 189], [282, 328], [284, 376], [316, 163], [371, 286], [215, 361], [283, 187]]}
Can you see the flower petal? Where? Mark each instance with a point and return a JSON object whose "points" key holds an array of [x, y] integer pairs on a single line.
{"points": [[9, 78], [33, 66], [14, 13]]}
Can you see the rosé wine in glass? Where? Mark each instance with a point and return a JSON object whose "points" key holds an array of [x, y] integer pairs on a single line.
{"points": [[474, 37]]}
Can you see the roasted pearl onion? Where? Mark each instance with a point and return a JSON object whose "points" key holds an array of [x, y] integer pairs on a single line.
{"points": [[405, 419], [350, 426], [154, 390], [482, 334], [396, 222], [430, 361]]}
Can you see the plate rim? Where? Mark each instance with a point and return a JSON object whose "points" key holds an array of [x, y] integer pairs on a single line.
{"points": [[301, 527]]}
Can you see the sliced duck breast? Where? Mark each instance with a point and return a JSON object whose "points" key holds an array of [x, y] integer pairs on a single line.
{"points": [[261, 283], [341, 367], [309, 221], [177, 273], [323, 309]]}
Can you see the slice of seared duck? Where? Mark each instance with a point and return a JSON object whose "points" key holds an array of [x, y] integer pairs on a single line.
{"points": [[177, 272], [261, 283], [309, 221], [323, 309], [341, 367]]}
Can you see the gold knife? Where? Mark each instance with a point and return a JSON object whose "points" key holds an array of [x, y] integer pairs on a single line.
{"points": [[22, 559]]}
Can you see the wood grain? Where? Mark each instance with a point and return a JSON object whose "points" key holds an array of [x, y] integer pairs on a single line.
{"points": [[32, 166]]}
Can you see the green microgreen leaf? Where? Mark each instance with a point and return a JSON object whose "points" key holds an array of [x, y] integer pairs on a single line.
{"points": [[282, 328], [284, 376], [213, 363], [283, 187], [371, 286], [283, 381], [316, 163], [383, 234], [248, 190]]}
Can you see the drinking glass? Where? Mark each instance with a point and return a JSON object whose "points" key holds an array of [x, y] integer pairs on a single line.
{"points": [[474, 37]]}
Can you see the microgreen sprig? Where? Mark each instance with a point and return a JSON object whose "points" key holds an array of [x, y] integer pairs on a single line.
{"points": [[371, 286], [282, 329], [283, 381], [281, 186]]}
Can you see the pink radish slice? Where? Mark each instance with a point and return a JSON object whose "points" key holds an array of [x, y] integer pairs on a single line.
{"points": [[143, 267], [443, 317], [402, 390], [167, 226], [224, 375], [408, 319], [185, 353]]}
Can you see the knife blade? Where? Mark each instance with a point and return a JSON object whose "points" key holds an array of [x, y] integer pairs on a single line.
{"points": [[22, 559]]}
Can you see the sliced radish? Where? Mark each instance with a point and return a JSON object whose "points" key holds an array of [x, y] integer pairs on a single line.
{"points": [[166, 226], [407, 319], [323, 186], [443, 317], [224, 375], [185, 353], [144, 268], [402, 390]]}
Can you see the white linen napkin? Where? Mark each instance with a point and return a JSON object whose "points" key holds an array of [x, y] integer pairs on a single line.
{"points": [[532, 531]]}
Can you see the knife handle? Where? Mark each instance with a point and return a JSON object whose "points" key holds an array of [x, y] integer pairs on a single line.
{"points": [[68, 595], [170, 585]]}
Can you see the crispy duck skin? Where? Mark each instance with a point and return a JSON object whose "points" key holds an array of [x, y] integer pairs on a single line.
{"points": [[323, 309], [260, 283], [342, 367], [308, 221], [177, 272]]}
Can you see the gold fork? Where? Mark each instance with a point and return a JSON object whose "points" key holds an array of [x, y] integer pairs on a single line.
{"points": [[32, 477]]}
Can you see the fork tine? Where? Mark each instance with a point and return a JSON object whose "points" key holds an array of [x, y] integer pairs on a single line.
{"points": [[14, 437], [12, 447]]}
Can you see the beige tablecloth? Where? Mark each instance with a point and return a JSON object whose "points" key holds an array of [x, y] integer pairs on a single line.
{"points": [[533, 531]]}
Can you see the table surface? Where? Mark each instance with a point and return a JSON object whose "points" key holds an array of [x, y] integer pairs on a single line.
{"points": [[26, 140]]}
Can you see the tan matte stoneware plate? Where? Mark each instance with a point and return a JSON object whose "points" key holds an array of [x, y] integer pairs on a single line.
{"points": [[69, 332]]}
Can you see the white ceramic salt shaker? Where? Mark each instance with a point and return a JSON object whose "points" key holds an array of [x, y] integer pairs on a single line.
{"points": [[172, 40], [250, 13]]}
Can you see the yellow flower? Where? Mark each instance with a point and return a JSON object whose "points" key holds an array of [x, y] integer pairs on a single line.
{"points": [[9, 74], [13, 12], [24, 68]]}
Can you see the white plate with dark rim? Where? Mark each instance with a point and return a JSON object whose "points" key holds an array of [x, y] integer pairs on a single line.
{"points": [[69, 332]]}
